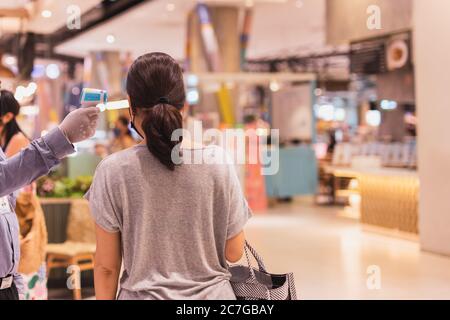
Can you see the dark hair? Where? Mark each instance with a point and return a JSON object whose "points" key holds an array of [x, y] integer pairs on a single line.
{"points": [[9, 104], [125, 121], [155, 85]]}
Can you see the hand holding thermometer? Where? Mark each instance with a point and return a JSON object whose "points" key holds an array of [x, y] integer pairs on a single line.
{"points": [[99, 98]]}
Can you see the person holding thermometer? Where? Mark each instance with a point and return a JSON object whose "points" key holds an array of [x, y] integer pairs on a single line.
{"points": [[22, 169]]}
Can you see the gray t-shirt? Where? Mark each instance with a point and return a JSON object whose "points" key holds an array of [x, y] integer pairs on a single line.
{"points": [[174, 224]]}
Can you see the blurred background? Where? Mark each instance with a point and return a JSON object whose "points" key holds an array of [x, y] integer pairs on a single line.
{"points": [[357, 89]]}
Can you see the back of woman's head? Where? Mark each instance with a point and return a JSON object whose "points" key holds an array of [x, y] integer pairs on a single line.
{"points": [[8, 105], [155, 86]]}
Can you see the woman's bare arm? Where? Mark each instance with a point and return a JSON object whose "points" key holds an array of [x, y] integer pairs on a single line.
{"points": [[108, 260], [234, 248]]}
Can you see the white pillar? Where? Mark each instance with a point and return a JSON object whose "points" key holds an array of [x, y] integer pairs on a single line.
{"points": [[432, 60]]}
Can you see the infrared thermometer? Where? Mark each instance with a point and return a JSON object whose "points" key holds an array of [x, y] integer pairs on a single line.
{"points": [[99, 98], [93, 97]]}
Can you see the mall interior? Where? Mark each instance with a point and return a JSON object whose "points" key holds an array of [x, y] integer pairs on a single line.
{"points": [[352, 93]]}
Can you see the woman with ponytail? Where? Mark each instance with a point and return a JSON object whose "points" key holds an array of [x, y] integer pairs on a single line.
{"points": [[173, 226]]}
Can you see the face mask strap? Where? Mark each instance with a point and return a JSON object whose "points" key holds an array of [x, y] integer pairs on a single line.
{"points": [[132, 124]]}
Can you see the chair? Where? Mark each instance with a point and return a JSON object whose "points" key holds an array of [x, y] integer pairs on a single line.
{"points": [[79, 249]]}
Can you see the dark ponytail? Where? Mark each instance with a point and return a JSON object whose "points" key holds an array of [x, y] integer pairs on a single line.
{"points": [[159, 124], [9, 104], [155, 86]]}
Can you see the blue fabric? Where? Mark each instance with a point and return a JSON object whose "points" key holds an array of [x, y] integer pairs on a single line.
{"points": [[297, 174]]}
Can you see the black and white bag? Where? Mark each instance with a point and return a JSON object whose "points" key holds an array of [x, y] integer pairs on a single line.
{"points": [[257, 284]]}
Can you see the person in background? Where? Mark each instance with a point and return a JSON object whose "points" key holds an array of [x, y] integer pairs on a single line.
{"points": [[175, 225], [32, 228], [122, 135], [20, 170], [101, 150], [12, 138]]}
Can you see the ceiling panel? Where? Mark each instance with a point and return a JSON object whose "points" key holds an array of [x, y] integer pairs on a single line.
{"points": [[37, 22], [148, 27], [279, 26], [13, 3], [59, 16], [287, 28]]}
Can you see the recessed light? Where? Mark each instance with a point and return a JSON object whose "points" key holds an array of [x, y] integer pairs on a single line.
{"points": [[46, 14], [52, 71], [110, 38], [249, 3], [170, 7], [274, 86], [299, 3], [10, 60]]}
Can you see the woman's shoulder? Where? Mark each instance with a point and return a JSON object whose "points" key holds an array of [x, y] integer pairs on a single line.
{"points": [[20, 139], [217, 161], [222, 155], [17, 143], [115, 162]]}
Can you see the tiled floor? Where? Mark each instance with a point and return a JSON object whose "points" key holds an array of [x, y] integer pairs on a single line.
{"points": [[330, 257]]}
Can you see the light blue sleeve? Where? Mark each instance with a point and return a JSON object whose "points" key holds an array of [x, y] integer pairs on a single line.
{"points": [[32, 162]]}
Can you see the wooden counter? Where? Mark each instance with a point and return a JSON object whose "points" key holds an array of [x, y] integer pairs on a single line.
{"points": [[389, 197]]}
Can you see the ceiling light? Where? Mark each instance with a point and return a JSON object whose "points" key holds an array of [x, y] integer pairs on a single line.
{"points": [[110, 39], [249, 3], [170, 7], [193, 97], [299, 3], [10, 60], [325, 112], [373, 118], [52, 71], [32, 86], [274, 86], [339, 114], [20, 93], [388, 105], [192, 80], [46, 14], [30, 89]]}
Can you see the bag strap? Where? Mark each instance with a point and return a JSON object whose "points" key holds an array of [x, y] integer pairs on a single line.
{"points": [[255, 255], [258, 259]]}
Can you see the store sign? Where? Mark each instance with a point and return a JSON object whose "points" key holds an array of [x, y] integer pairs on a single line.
{"points": [[381, 55], [368, 57]]}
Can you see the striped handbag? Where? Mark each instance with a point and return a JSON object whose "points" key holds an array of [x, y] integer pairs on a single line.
{"points": [[250, 283]]}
